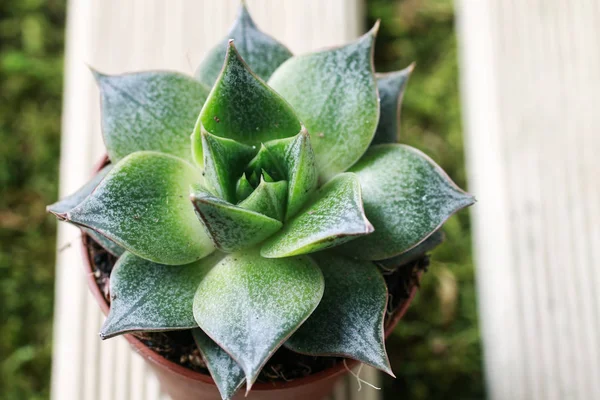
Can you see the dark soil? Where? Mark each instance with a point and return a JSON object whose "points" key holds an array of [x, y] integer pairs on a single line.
{"points": [[285, 365]]}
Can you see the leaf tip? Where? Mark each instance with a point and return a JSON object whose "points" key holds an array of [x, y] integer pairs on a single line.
{"points": [[52, 208], [369, 228], [375, 29], [470, 199], [62, 216], [390, 372], [233, 55], [244, 14], [248, 388], [304, 132], [98, 76], [411, 67]]}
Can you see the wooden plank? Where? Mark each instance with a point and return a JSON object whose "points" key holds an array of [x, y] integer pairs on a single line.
{"points": [[530, 74], [118, 36]]}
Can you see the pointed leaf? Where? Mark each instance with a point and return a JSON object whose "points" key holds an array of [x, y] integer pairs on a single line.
{"points": [[146, 296], [230, 227], [265, 160], [243, 188], [349, 319], [391, 87], [268, 199], [73, 200], [226, 373], [297, 158], [250, 305], [334, 93], [415, 253], [224, 162], [242, 107], [142, 205], [335, 217], [266, 177], [407, 197], [149, 111], [262, 53]]}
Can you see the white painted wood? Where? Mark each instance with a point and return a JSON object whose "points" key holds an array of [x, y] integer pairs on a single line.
{"points": [[530, 72], [118, 36]]}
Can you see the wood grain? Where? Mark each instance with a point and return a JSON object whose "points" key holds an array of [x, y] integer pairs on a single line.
{"points": [[530, 72]]}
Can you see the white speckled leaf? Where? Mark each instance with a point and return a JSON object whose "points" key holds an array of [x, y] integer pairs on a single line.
{"points": [[143, 205], [262, 53], [231, 227], [73, 200], [334, 93], [416, 252], [349, 320], [242, 107], [146, 296], [250, 305], [149, 111], [334, 217], [407, 197], [226, 373], [391, 87], [224, 162], [297, 158], [268, 199]]}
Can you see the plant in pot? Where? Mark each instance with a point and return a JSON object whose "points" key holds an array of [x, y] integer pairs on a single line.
{"points": [[278, 231]]}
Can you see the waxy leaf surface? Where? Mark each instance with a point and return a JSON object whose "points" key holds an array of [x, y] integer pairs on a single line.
{"points": [[149, 111], [231, 227], [406, 196], [295, 155], [262, 53], [242, 107], [334, 93], [73, 200], [268, 199], [146, 296], [391, 87], [224, 162], [335, 217], [349, 320], [226, 373], [415, 253], [250, 305], [143, 206]]}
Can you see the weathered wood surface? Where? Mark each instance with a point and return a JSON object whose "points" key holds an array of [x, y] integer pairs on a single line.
{"points": [[531, 89], [116, 36]]}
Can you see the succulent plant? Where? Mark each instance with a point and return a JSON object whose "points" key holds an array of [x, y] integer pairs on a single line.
{"points": [[269, 227]]}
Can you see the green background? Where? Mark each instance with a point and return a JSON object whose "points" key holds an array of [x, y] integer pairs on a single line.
{"points": [[435, 351]]}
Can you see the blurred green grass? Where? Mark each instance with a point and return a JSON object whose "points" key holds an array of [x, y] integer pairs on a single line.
{"points": [[435, 351], [31, 34]]}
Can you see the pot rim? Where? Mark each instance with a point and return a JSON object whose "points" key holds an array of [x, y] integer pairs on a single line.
{"points": [[163, 363]]}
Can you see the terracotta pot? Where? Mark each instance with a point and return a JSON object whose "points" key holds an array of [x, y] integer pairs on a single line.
{"points": [[184, 384]]}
